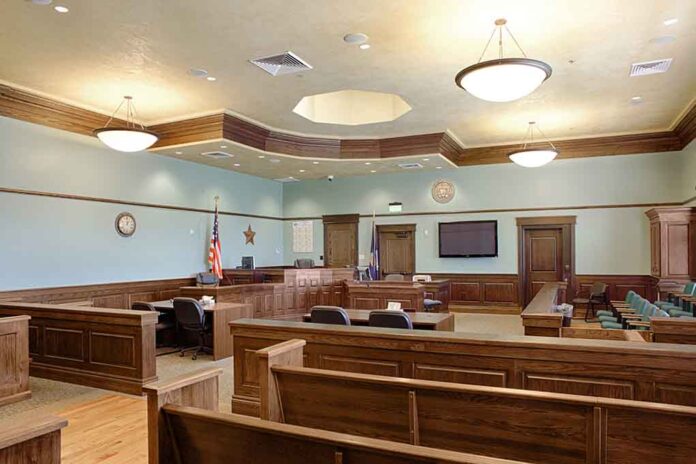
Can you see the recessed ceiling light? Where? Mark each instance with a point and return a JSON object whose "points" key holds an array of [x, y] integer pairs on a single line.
{"points": [[670, 21], [373, 171], [438, 167], [636, 98], [198, 72], [315, 162], [211, 78], [61, 9], [355, 38], [236, 165], [364, 46], [302, 170], [262, 156], [367, 163], [223, 146], [274, 160], [426, 159], [178, 153]]}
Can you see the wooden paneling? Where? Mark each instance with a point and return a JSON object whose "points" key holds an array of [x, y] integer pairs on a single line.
{"points": [[14, 359], [482, 289], [34, 440], [378, 294], [674, 330], [539, 317], [511, 424], [617, 285], [112, 295], [397, 249], [341, 240], [112, 349], [559, 365]]}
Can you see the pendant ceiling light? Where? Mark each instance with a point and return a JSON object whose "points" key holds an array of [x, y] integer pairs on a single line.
{"points": [[133, 137], [503, 79], [533, 157]]}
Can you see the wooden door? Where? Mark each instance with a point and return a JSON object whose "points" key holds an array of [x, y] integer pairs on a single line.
{"points": [[341, 240], [397, 249], [543, 250]]}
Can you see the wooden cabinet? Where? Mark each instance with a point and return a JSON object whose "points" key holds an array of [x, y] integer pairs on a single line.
{"points": [[672, 246]]}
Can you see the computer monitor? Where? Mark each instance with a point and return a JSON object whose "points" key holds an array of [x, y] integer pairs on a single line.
{"points": [[248, 262]]}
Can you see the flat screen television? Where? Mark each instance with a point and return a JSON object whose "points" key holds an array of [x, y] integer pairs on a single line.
{"points": [[468, 239]]}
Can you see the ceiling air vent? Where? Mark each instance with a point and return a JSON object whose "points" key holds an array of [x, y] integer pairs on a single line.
{"points": [[650, 67], [285, 63], [410, 166], [217, 155], [286, 179]]}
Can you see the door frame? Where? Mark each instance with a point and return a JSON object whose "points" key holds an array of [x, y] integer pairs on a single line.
{"points": [[397, 228], [567, 226], [341, 219]]}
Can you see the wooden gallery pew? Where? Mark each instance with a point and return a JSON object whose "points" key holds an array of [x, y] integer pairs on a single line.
{"points": [[506, 423], [14, 359], [658, 372], [31, 440], [674, 330], [184, 427], [113, 349]]}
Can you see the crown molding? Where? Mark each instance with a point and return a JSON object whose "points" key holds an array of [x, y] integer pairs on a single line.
{"points": [[31, 107]]}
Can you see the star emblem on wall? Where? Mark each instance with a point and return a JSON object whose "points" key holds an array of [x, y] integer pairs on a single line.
{"points": [[249, 235]]}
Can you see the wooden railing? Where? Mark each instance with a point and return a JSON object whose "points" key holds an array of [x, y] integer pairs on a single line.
{"points": [[14, 359], [539, 316], [105, 348]]}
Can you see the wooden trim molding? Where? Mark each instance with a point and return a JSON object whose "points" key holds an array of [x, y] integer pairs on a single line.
{"points": [[546, 220], [30, 107]]}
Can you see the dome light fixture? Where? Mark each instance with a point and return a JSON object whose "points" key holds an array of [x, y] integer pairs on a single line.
{"points": [[503, 79], [133, 137], [533, 157]]}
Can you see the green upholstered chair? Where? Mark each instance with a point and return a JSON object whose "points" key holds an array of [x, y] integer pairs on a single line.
{"points": [[641, 305], [686, 310], [638, 304], [639, 320], [630, 296], [674, 298], [644, 323]]}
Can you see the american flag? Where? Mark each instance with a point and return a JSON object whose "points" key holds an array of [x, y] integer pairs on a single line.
{"points": [[214, 252], [373, 268]]}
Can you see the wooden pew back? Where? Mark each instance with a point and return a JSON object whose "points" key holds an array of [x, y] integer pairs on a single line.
{"points": [[31, 439], [181, 434], [506, 423]]}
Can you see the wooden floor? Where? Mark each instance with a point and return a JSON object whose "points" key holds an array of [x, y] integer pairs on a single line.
{"points": [[112, 430]]}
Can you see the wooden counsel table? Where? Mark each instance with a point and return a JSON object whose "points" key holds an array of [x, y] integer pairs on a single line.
{"points": [[220, 315], [421, 321]]}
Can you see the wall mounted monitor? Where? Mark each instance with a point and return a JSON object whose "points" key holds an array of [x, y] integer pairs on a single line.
{"points": [[468, 239]]}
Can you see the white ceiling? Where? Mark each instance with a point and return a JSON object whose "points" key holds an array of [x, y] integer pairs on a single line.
{"points": [[102, 50]]}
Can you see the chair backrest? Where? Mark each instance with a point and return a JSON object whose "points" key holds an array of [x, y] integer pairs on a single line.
{"points": [[690, 288], [650, 311], [207, 279], [189, 313], [629, 296], [598, 289], [391, 319], [142, 306], [394, 277], [422, 278], [304, 263], [661, 313], [330, 315]]}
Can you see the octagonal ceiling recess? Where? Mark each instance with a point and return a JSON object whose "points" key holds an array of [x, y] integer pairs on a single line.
{"points": [[352, 107]]}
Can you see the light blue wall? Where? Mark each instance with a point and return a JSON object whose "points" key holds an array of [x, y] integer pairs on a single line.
{"points": [[51, 242], [608, 240]]}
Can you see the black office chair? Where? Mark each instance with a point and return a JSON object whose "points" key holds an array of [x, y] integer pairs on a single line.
{"points": [[390, 319], [164, 320], [207, 279], [304, 263], [190, 317], [330, 315]]}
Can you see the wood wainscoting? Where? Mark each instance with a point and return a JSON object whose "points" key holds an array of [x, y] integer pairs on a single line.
{"points": [[482, 289], [118, 295], [14, 359], [618, 285]]}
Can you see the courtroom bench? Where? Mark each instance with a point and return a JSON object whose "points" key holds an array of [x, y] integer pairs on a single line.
{"points": [[673, 330], [184, 427], [31, 439], [537, 427], [14, 359], [113, 349], [657, 372]]}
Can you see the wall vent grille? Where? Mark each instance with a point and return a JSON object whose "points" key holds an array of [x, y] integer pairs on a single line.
{"points": [[285, 63], [650, 67], [410, 166], [286, 179], [217, 155]]}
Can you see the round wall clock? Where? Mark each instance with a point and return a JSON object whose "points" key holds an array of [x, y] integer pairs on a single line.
{"points": [[443, 191], [125, 224]]}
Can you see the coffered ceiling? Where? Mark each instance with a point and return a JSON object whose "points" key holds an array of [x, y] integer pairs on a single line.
{"points": [[102, 50]]}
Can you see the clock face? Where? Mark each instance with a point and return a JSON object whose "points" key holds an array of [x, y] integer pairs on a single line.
{"points": [[125, 224]]}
